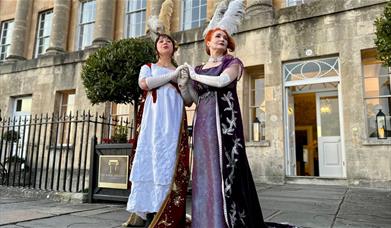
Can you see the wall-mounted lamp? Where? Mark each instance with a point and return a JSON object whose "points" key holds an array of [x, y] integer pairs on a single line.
{"points": [[381, 126], [256, 130]]}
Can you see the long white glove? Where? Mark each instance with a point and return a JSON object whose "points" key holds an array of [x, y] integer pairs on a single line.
{"points": [[222, 80], [185, 85], [154, 82]]}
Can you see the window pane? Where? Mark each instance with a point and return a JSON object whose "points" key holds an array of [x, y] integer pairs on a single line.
{"points": [[194, 24], [329, 116], [375, 87], [88, 35], [259, 94], [9, 34], [376, 80], [195, 14], [26, 105], [19, 105], [203, 14], [48, 23], [88, 12], [375, 70]]}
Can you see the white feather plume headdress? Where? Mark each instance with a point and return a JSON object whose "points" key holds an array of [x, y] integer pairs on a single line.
{"points": [[162, 23], [228, 16]]}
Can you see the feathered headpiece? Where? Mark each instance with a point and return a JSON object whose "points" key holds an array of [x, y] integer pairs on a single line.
{"points": [[161, 24], [227, 16]]}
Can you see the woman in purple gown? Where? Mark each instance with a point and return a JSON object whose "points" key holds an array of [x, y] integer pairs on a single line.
{"points": [[223, 190]]}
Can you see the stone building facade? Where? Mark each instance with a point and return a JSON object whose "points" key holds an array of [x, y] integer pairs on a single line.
{"points": [[312, 82]]}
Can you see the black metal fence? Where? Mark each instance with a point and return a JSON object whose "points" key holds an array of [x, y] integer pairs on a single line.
{"points": [[52, 152]]}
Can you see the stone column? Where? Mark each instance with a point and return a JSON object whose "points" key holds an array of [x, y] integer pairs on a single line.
{"points": [[59, 30], [17, 47], [259, 7], [104, 23]]}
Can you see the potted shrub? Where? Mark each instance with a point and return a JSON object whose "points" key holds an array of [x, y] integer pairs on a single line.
{"points": [[111, 73]]}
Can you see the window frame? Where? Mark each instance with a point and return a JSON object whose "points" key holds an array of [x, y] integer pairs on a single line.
{"points": [[367, 59], [80, 25], [6, 45], [63, 128], [114, 111], [249, 109], [252, 108], [200, 20], [66, 93], [127, 20], [37, 37]]}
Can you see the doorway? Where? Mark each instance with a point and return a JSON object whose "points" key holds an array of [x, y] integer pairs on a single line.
{"points": [[21, 113], [314, 133], [313, 118]]}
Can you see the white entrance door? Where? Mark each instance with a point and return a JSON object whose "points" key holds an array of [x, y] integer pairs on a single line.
{"points": [[22, 111], [290, 131], [329, 139]]}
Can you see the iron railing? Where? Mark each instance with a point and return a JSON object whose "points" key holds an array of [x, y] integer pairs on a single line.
{"points": [[52, 152]]}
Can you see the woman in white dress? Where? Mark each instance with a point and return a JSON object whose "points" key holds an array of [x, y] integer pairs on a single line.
{"points": [[159, 174]]}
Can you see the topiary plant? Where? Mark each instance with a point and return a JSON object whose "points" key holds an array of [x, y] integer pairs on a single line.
{"points": [[111, 73], [383, 35]]}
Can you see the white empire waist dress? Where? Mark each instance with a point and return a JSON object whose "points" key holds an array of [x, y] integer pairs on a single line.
{"points": [[154, 161]]}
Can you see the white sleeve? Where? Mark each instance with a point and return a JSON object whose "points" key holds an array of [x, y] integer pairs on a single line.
{"points": [[145, 72], [220, 81]]}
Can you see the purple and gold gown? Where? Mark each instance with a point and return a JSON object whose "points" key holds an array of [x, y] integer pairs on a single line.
{"points": [[223, 190]]}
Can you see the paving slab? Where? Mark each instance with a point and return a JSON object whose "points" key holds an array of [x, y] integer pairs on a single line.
{"points": [[306, 192], [99, 211], [365, 207], [20, 215], [120, 215], [343, 223], [18, 211], [303, 219], [301, 205], [70, 221]]}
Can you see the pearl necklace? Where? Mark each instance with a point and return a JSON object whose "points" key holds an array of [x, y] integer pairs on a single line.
{"points": [[216, 59]]}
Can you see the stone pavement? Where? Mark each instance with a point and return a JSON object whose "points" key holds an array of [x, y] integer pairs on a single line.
{"points": [[302, 205]]}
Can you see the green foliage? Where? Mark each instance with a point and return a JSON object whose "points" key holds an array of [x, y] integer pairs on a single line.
{"points": [[111, 73], [11, 136], [120, 134], [383, 35]]}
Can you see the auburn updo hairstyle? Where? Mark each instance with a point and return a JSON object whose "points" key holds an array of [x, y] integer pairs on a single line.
{"points": [[208, 37]]}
